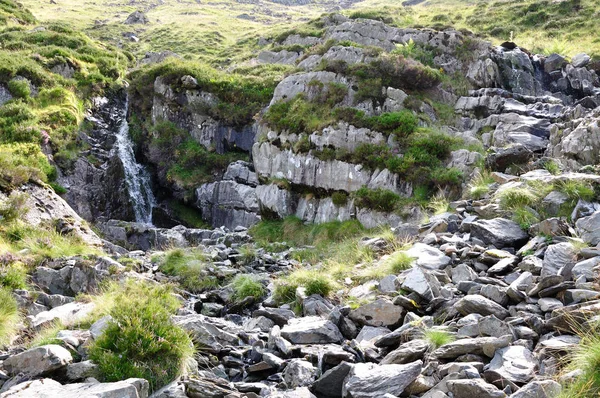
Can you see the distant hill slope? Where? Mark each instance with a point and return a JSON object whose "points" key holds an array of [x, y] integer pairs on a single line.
{"points": [[219, 32]]}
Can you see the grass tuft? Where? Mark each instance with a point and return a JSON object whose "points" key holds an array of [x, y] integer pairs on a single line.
{"points": [[438, 338], [9, 316], [248, 286], [142, 340]]}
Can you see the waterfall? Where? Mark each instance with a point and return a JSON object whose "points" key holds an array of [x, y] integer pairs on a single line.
{"points": [[136, 176]]}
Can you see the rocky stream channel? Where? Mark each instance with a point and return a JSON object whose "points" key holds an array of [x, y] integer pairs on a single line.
{"points": [[512, 299]]}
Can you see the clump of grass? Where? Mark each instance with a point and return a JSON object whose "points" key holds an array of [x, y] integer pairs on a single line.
{"points": [[13, 275], [189, 267], [439, 204], [399, 262], [47, 335], [552, 167], [247, 253], [575, 190], [248, 286], [314, 282], [586, 358], [438, 337], [9, 316], [142, 341], [525, 217], [515, 198], [480, 185], [42, 242]]}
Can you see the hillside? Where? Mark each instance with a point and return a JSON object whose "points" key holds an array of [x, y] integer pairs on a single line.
{"points": [[219, 32], [307, 200]]}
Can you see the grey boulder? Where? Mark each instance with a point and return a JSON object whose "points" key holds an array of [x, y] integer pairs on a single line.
{"points": [[499, 232], [38, 361], [311, 330], [372, 381]]}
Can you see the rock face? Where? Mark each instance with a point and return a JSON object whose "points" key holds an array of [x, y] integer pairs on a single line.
{"points": [[95, 183], [233, 201]]}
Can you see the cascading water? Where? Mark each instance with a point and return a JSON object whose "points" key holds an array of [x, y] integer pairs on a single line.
{"points": [[136, 176]]}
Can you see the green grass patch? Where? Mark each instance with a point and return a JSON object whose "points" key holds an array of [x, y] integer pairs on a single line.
{"points": [[438, 337], [141, 340], [189, 267], [9, 316], [248, 286]]}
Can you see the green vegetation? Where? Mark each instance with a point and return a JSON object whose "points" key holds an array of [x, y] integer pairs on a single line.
{"points": [[377, 199], [335, 249], [399, 261], [339, 198], [47, 335], [438, 337], [51, 73], [13, 275], [240, 95], [479, 186], [182, 160], [314, 282], [525, 201], [188, 266], [141, 340], [248, 286], [9, 316]]}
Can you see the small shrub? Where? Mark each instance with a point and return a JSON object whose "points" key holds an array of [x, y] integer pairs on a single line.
{"points": [[13, 207], [9, 316], [318, 284], [248, 286], [142, 340], [339, 198], [19, 88], [438, 338], [377, 199]]}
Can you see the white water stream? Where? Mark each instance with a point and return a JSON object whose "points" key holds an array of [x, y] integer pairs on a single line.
{"points": [[136, 176]]}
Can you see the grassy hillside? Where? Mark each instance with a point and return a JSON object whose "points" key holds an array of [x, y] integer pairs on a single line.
{"points": [[225, 31], [50, 73]]}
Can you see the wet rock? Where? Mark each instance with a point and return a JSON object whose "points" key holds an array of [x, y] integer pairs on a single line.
{"points": [[311, 330], [475, 303], [48, 388], [381, 312], [38, 361], [280, 316], [372, 381], [499, 232]]}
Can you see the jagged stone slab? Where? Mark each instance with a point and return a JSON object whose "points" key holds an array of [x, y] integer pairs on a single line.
{"points": [[38, 361], [372, 381]]}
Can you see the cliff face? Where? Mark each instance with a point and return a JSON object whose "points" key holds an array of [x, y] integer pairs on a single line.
{"points": [[515, 106]]}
